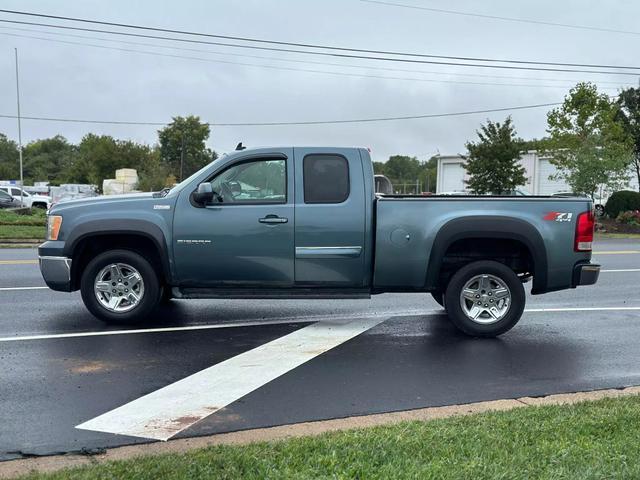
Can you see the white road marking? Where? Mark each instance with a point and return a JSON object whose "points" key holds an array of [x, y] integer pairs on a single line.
{"points": [[166, 412], [18, 262], [616, 252], [145, 330], [620, 270], [581, 309], [284, 320], [247, 323], [13, 289]]}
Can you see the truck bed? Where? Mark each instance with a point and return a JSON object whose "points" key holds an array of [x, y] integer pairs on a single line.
{"points": [[414, 233]]}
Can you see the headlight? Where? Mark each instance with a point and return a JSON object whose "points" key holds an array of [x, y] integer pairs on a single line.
{"points": [[54, 222]]}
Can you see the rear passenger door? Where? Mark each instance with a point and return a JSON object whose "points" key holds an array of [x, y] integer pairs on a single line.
{"points": [[330, 218]]}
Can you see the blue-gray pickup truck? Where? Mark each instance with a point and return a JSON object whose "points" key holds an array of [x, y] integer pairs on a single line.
{"points": [[307, 223]]}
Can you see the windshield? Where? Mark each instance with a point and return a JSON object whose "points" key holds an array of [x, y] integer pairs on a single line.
{"points": [[189, 179]]}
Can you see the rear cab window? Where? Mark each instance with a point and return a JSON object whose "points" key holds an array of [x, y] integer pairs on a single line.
{"points": [[326, 178]]}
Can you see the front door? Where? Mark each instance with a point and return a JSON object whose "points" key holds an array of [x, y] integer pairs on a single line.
{"points": [[244, 237]]}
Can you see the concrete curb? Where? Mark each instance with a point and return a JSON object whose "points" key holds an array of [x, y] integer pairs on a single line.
{"points": [[14, 468]]}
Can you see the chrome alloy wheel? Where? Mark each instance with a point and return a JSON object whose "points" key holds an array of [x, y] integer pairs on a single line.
{"points": [[485, 299], [118, 287]]}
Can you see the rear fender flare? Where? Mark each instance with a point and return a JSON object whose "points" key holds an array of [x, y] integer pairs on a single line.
{"points": [[489, 227]]}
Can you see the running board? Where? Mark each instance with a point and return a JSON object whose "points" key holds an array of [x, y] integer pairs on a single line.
{"points": [[281, 293]]}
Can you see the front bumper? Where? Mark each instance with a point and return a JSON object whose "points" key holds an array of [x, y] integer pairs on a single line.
{"points": [[585, 274], [56, 272]]}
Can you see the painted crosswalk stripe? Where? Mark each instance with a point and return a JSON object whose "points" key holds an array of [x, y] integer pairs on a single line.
{"points": [[166, 412]]}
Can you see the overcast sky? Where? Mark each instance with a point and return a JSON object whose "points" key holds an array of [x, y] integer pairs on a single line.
{"points": [[77, 81]]}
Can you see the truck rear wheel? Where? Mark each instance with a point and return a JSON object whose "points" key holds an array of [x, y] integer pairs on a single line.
{"points": [[120, 286], [485, 299]]}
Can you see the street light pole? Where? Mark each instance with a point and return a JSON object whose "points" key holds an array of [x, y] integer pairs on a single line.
{"points": [[182, 157], [19, 131]]}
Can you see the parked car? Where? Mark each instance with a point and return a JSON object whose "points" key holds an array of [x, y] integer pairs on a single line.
{"points": [[7, 201], [306, 223], [28, 199]]}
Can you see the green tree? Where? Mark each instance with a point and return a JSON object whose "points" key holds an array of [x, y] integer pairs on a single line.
{"points": [[190, 133], [586, 142], [402, 168], [96, 160], [9, 162], [429, 174], [629, 116], [492, 163], [99, 156], [378, 168], [47, 159], [153, 174]]}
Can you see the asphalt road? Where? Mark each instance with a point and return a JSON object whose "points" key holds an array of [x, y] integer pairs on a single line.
{"points": [[408, 357]]}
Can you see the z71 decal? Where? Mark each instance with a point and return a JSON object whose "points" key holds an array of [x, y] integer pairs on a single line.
{"points": [[558, 216]]}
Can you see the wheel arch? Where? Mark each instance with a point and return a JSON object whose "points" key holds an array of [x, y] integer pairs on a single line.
{"points": [[489, 227], [98, 236]]}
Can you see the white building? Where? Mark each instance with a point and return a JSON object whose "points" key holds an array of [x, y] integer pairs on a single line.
{"points": [[538, 169]]}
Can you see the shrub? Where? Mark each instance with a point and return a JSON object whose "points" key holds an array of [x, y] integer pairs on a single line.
{"points": [[621, 202], [629, 217]]}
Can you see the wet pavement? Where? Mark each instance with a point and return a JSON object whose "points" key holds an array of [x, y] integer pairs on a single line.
{"points": [[413, 358]]}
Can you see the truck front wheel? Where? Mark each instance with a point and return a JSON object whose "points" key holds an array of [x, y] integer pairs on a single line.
{"points": [[120, 286], [485, 299]]}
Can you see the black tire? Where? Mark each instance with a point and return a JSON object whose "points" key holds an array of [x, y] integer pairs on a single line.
{"points": [[152, 287], [166, 296], [454, 290], [439, 298]]}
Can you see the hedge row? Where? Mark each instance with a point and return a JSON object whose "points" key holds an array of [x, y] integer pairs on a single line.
{"points": [[621, 202]]}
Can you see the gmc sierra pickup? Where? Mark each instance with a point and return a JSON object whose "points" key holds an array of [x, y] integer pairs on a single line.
{"points": [[306, 223]]}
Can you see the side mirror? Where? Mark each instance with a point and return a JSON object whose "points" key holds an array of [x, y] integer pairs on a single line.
{"points": [[204, 194]]}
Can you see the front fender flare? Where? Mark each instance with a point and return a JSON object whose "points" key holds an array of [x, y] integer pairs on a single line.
{"points": [[139, 227]]}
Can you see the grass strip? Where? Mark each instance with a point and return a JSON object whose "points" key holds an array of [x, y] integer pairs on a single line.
{"points": [[37, 217], [587, 440], [24, 232]]}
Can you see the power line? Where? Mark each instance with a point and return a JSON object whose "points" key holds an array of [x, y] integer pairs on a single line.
{"points": [[332, 54], [333, 49], [288, 60], [508, 19], [305, 70], [308, 122]]}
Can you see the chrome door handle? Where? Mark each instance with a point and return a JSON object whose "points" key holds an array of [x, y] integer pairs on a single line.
{"points": [[273, 219]]}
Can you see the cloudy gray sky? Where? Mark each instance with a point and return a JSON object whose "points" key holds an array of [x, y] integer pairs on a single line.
{"points": [[80, 81]]}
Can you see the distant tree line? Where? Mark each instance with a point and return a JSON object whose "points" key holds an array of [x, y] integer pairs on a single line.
{"points": [[408, 173], [592, 139], [181, 150]]}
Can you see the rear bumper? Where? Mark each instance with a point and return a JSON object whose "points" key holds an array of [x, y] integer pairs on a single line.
{"points": [[585, 274], [56, 272]]}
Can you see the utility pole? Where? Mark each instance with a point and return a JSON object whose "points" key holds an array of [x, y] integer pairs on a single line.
{"points": [[182, 157], [19, 131]]}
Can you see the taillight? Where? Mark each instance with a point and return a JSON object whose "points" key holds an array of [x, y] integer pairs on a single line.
{"points": [[584, 232]]}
